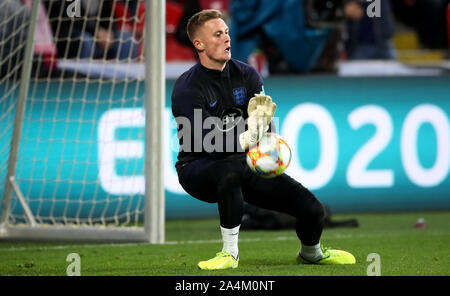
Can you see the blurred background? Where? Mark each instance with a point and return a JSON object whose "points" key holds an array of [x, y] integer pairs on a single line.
{"points": [[276, 37], [362, 89]]}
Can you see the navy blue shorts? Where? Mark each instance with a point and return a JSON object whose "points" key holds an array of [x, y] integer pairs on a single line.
{"points": [[200, 178]]}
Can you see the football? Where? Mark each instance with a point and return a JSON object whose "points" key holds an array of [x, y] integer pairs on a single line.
{"points": [[270, 157]]}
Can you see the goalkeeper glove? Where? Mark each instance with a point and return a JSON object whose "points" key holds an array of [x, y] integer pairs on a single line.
{"points": [[260, 113]]}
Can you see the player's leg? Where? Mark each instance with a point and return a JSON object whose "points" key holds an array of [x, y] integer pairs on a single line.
{"points": [[218, 181], [286, 195], [230, 203]]}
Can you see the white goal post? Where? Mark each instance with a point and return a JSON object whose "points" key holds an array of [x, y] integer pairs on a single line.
{"points": [[81, 155]]}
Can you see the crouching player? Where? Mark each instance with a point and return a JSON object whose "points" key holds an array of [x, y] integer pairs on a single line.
{"points": [[232, 91]]}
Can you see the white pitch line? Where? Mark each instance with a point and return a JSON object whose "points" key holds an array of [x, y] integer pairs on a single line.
{"points": [[211, 241], [243, 240]]}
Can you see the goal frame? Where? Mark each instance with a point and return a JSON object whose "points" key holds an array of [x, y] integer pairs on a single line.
{"points": [[153, 230]]}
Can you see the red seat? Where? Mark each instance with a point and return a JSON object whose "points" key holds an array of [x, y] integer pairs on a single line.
{"points": [[174, 50], [174, 12]]}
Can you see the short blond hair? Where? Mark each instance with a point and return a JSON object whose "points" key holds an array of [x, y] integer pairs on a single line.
{"points": [[198, 19]]}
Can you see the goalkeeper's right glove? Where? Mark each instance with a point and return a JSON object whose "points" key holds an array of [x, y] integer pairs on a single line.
{"points": [[260, 110]]}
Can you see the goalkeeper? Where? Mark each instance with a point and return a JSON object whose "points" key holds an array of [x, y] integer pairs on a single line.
{"points": [[231, 91]]}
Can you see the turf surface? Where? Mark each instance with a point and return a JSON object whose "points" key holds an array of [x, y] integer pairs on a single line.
{"points": [[403, 250]]}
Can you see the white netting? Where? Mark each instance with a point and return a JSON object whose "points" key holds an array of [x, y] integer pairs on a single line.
{"points": [[81, 151], [14, 23]]}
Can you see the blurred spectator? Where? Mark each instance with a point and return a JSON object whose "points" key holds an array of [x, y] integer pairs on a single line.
{"points": [[12, 13], [14, 16], [369, 37], [427, 17], [44, 46], [190, 8], [280, 29], [260, 38], [93, 34], [175, 50]]}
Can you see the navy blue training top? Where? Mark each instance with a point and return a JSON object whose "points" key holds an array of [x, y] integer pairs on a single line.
{"points": [[202, 96]]}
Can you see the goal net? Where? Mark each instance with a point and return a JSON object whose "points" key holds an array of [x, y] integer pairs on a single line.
{"points": [[74, 126]]}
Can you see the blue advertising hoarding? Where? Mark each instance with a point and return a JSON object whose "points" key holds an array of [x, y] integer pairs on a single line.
{"points": [[359, 144]]}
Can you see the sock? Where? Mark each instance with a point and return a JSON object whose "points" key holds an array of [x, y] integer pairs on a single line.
{"points": [[230, 240], [311, 253]]}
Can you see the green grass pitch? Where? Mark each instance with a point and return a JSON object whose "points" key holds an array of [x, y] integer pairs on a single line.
{"points": [[403, 250]]}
